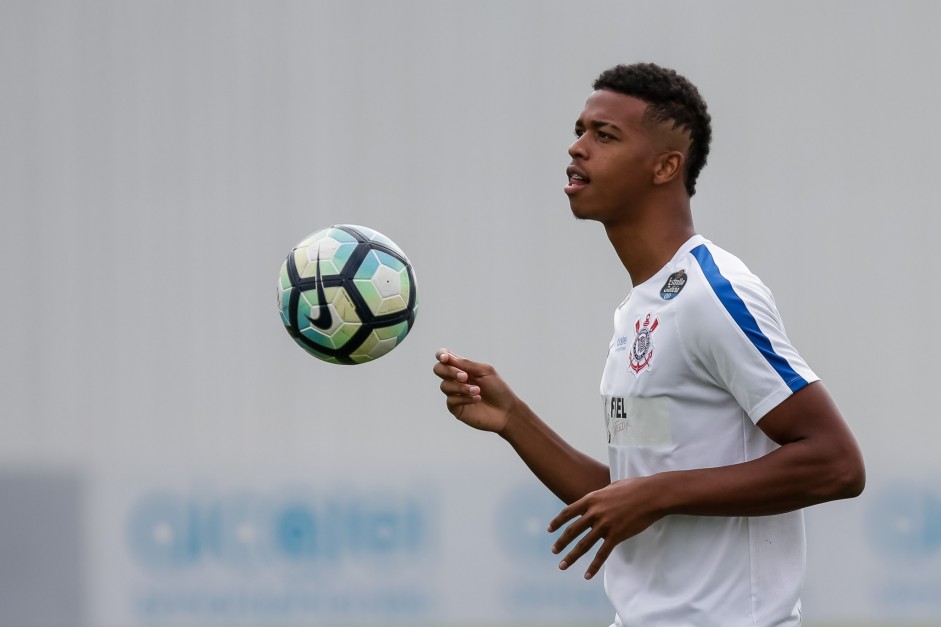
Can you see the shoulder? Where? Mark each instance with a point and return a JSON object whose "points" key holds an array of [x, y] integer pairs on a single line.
{"points": [[726, 280], [725, 296], [719, 266]]}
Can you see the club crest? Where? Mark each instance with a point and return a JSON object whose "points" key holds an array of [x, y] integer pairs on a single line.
{"points": [[642, 348]]}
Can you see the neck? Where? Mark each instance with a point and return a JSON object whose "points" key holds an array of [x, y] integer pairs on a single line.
{"points": [[646, 243]]}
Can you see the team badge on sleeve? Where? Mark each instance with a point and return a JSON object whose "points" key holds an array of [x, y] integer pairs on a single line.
{"points": [[642, 348], [674, 285]]}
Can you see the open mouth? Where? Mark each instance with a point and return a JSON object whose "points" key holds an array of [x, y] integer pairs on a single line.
{"points": [[577, 179]]}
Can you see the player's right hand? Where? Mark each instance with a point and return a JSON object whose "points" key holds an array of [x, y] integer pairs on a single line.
{"points": [[476, 394]]}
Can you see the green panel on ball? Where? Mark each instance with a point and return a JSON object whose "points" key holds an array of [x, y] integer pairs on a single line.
{"points": [[344, 307], [304, 305], [284, 294], [341, 306], [343, 334], [373, 347], [397, 331], [317, 337], [346, 321], [284, 279], [284, 306], [406, 284], [368, 291], [392, 305]]}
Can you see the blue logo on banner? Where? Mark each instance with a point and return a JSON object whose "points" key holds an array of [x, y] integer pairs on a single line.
{"points": [[245, 531], [286, 557]]}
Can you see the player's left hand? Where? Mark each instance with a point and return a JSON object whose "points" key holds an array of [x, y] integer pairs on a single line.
{"points": [[612, 514]]}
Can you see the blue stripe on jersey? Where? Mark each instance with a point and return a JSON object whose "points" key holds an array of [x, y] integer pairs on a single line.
{"points": [[744, 319]]}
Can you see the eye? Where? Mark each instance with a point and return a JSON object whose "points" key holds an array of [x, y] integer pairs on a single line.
{"points": [[579, 132], [602, 136]]}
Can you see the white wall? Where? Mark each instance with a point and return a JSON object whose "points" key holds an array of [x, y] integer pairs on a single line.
{"points": [[159, 159]]}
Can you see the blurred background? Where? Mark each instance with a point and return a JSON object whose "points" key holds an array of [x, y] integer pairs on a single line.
{"points": [[169, 456]]}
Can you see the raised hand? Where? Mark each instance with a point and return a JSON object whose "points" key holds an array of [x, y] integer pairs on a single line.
{"points": [[476, 394]]}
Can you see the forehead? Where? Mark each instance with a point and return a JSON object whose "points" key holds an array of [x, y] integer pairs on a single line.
{"points": [[614, 108]]}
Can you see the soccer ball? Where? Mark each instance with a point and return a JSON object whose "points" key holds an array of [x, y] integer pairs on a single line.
{"points": [[347, 294]]}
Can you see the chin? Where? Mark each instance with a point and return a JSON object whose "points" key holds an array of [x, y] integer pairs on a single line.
{"points": [[580, 211]]}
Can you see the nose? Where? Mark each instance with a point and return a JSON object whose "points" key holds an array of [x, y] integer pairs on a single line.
{"points": [[578, 149]]}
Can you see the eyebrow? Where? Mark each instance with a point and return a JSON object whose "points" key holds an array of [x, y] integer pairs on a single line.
{"points": [[598, 124]]}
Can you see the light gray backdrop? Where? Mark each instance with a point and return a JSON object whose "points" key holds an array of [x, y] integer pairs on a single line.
{"points": [[175, 459]]}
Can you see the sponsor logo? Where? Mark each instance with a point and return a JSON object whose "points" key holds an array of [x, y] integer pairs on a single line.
{"points": [[633, 421], [642, 348], [324, 319], [616, 409], [674, 285], [621, 344]]}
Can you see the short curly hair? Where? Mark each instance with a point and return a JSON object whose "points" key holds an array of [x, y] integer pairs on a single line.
{"points": [[669, 96]]}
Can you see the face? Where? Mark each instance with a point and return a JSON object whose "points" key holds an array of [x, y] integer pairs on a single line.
{"points": [[613, 158]]}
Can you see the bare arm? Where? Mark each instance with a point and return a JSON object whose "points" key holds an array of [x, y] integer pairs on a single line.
{"points": [[818, 460], [478, 396]]}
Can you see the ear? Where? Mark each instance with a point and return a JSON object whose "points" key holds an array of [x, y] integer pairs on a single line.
{"points": [[669, 167]]}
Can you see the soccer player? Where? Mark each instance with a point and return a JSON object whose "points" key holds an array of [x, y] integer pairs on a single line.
{"points": [[718, 432]]}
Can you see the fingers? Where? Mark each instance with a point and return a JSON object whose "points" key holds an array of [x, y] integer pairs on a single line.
{"points": [[583, 546], [581, 525], [454, 382], [456, 388], [445, 368], [445, 371], [473, 368], [455, 379], [606, 547], [567, 514], [571, 532]]}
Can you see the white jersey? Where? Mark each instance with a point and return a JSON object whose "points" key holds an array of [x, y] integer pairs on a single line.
{"points": [[699, 356]]}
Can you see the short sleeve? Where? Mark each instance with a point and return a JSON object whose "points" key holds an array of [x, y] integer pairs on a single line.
{"points": [[734, 335]]}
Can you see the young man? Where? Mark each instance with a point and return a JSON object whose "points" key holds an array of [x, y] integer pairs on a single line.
{"points": [[718, 432]]}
